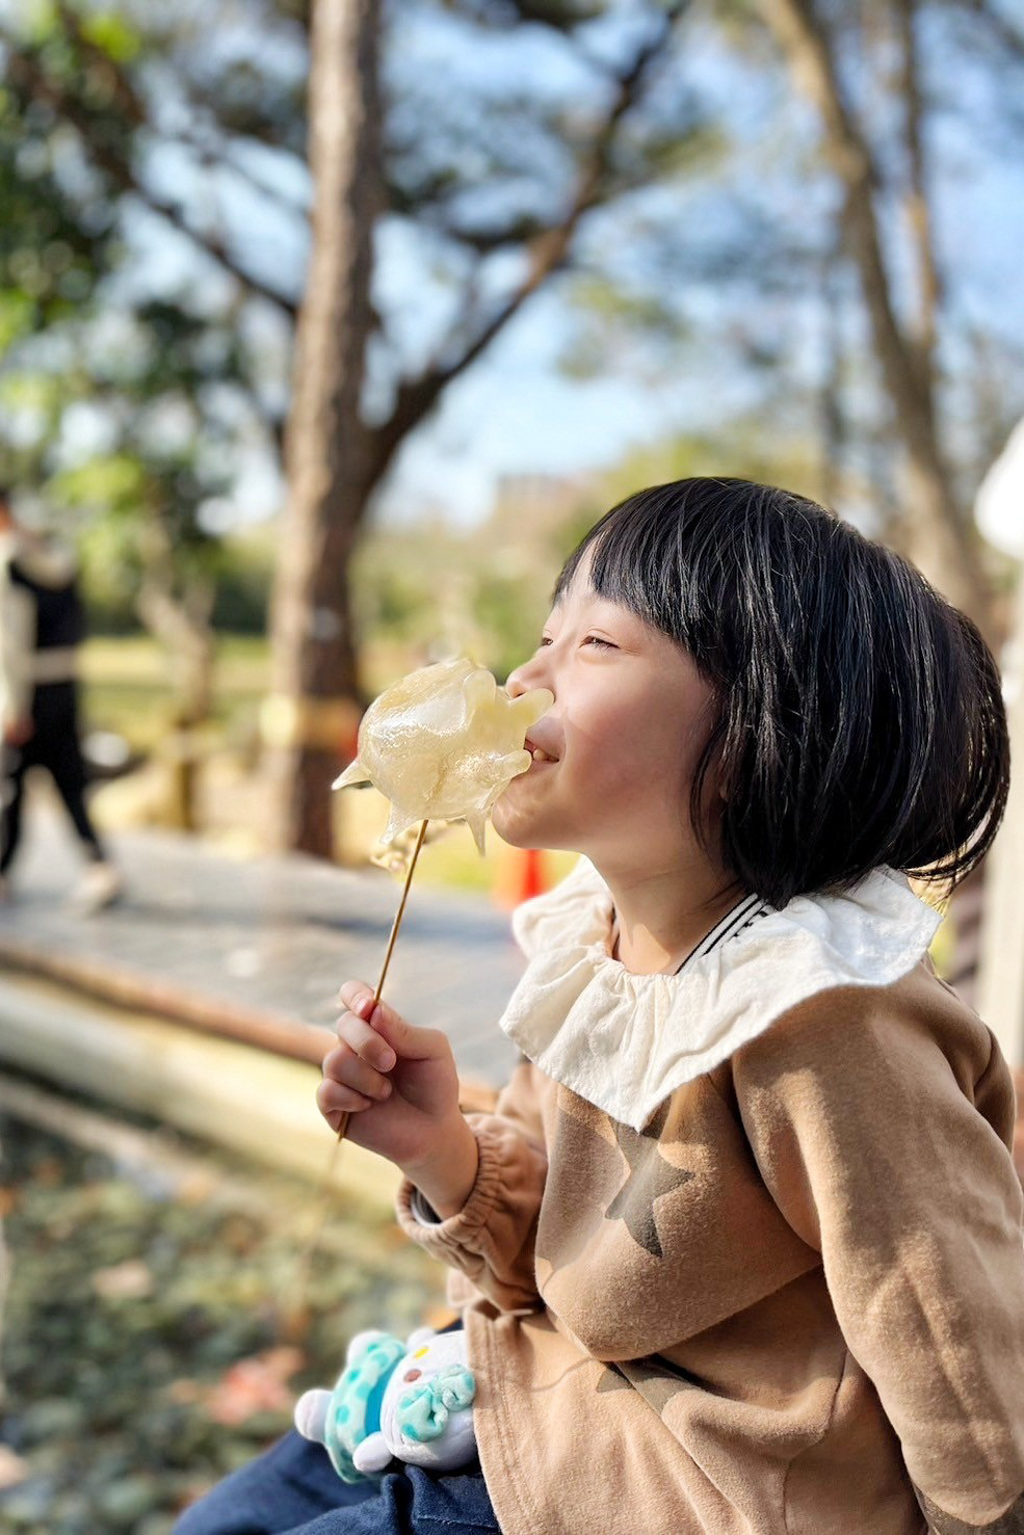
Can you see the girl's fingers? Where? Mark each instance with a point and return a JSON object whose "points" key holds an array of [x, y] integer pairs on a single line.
{"points": [[405, 1039], [343, 1066], [334, 1099], [365, 1041]]}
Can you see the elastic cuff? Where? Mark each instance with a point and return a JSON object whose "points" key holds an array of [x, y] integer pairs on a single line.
{"points": [[464, 1229]]}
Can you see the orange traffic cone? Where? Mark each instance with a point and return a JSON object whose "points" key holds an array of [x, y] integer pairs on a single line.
{"points": [[521, 874]]}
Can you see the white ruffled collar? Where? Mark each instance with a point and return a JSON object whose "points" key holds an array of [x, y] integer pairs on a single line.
{"points": [[625, 1042]]}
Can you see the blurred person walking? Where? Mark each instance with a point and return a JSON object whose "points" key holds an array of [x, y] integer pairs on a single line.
{"points": [[42, 623]]}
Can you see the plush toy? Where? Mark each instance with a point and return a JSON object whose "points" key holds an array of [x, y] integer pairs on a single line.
{"points": [[408, 1401]]}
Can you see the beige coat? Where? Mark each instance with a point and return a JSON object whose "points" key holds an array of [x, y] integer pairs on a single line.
{"points": [[791, 1304]]}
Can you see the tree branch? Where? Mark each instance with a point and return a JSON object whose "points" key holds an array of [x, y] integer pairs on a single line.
{"points": [[942, 543], [25, 72], [1004, 31], [548, 252], [130, 103], [803, 38], [918, 209]]}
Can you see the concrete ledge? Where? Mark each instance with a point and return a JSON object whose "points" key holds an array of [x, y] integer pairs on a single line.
{"points": [[126, 988], [252, 1102]]}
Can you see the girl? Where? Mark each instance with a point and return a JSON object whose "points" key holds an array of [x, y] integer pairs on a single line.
{"points": [[740, 1247]]}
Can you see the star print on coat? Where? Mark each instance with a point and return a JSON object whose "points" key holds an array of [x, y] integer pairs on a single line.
{"points": [[1010, 1523], [656, 1383], [650, 1176]]}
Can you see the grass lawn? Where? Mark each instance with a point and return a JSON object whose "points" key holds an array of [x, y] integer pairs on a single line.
{"points": [[128, 685]]}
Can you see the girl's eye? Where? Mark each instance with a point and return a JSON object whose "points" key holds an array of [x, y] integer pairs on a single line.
{"points": [[591, 639]]}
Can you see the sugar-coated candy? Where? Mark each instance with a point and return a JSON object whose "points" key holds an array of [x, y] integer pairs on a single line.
{"points": [[443, 743]]}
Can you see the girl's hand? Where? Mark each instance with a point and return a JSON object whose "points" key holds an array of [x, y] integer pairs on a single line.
{"points": [[399, 1083]]}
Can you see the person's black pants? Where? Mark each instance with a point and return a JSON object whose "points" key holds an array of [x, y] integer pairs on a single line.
{"points": [[54, 746]]}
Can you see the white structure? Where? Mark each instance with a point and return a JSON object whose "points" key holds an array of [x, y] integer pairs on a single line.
{"points": [[1000, 515], [999, 508]]}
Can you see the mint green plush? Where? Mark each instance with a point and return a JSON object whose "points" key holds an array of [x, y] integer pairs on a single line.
{"points": [[423, 1410], [355, 1406]]}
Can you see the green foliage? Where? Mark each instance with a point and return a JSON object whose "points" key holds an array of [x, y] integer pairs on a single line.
{"points": [[113, 34], [164, 375], [54, 240], [743, 449]]}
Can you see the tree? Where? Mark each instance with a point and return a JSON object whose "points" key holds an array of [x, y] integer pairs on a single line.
{"points": [[936, 531], [337, 456], [164, 385], [329, 450], [567, 147], [495, 214]]}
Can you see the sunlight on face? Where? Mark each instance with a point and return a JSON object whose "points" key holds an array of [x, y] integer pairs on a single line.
{"points": [[630, 719]]}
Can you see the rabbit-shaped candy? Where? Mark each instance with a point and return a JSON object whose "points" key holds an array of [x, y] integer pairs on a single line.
{"points": [[408, 1401]]}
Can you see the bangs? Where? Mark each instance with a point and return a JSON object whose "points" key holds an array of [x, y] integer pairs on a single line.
{"points": [[677, 556]]}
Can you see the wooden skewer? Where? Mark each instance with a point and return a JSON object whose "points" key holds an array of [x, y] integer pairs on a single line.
{"points": [[346, 1116], [296, 1318]]}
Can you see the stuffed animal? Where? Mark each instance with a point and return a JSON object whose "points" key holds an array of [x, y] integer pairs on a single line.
{"points": [[408, 1401]]}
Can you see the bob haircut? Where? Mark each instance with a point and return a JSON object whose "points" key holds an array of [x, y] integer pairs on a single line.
{"points": [[858, 716]]}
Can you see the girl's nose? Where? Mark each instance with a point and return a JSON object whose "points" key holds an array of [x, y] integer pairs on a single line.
{"points": [[522, 680]]}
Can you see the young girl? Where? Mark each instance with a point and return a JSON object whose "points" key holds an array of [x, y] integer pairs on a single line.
{"points": [[740, 1248]]}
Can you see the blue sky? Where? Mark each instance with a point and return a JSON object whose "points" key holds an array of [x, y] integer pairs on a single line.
{"points": [[513, 412]]}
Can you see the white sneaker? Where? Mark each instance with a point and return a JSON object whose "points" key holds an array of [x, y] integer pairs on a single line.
{"points": [[98, 887]]}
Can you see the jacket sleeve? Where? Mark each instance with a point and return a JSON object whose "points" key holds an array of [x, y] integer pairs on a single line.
{"points": [[491, 1240], [888, 1152], [17, 642]]}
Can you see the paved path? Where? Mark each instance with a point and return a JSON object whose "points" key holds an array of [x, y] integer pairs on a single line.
{"points": [[275, 936]]}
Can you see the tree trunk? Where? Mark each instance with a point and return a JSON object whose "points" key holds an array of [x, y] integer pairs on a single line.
{"points": [[937, 537], [310, 718]]}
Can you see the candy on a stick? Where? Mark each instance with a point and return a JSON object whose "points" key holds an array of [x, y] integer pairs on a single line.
{"points": [[443, 743]]}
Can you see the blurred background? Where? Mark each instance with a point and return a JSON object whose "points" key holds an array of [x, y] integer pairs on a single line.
{"points": [[325, 331]]}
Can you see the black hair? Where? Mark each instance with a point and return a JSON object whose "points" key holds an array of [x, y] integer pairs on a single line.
{"points": [[858, 715]]}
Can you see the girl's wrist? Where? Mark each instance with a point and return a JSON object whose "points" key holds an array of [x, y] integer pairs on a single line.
{"points": [[446, 1177]]}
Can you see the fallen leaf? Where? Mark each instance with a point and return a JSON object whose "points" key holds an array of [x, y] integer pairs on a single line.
{"points": [[253, 1385]]}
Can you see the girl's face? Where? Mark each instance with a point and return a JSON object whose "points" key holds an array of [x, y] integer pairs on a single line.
{"points": [[630, 718]]}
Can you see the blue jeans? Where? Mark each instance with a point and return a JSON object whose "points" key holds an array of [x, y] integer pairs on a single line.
{"points": [[293, 1487]]}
